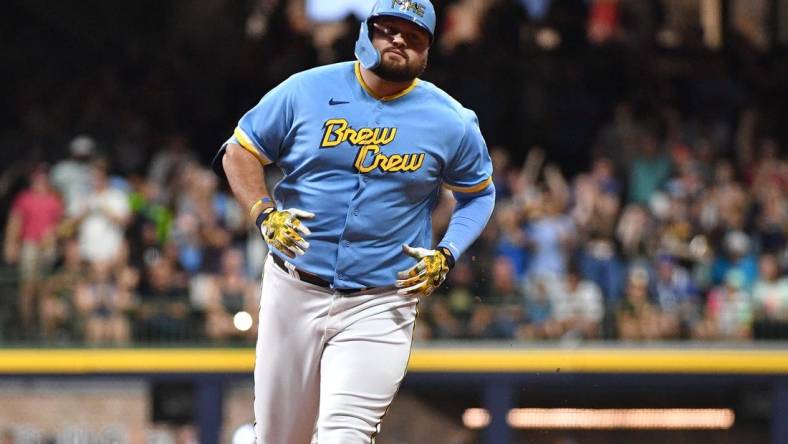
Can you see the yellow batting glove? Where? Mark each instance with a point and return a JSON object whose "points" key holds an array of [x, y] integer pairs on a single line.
{"points": [[284, 230], [427, 275]]}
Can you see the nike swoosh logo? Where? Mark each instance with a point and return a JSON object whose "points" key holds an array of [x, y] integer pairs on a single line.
{"points": [[333, 102]]}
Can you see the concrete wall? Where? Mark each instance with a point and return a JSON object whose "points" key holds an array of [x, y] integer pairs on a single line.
{"points": [[87, 411]]}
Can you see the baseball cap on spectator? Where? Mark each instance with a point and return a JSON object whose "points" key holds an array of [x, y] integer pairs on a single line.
{"points": [[82, 146]]}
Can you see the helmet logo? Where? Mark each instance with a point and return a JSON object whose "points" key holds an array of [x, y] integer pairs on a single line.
{"points": [[408, 5]]}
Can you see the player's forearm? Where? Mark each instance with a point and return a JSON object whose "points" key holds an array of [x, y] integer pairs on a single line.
{"points": [[246, 178], [468, 220]]}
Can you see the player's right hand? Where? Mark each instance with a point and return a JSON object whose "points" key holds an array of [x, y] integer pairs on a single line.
{"points": [[284, 230]]}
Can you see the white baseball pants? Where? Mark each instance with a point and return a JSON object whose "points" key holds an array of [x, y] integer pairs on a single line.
{"points": [[327, 364]]}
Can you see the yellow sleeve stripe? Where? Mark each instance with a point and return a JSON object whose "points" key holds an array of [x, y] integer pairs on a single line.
{"points": [[246, 142], [471, 189]]}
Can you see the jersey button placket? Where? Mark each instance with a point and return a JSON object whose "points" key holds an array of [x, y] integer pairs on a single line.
{"points": [[378, 109]]}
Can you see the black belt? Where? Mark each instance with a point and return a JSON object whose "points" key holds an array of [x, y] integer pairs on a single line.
{"points": [[310, 278]]}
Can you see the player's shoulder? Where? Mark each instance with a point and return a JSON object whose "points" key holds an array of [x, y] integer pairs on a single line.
{"points": [[443, 101]]}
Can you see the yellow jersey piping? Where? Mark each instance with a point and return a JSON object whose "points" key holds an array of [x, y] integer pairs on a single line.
{"points": [[357, 68]]}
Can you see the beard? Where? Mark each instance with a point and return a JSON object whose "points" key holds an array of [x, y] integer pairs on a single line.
{"points": [[396, 72]]}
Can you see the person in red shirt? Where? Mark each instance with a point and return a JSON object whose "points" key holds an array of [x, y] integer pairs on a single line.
{"points": [[30, 238]]}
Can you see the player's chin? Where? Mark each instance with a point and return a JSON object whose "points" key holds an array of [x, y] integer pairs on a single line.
{"points": [[395, 58], [396, 72]]}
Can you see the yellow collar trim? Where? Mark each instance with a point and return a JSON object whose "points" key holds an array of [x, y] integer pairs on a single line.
{"points": [[357, 68]]}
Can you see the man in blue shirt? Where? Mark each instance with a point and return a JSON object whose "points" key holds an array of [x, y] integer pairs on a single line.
{"points": [[365, 148]]}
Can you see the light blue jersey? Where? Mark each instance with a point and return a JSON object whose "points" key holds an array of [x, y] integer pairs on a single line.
{"points": [[369, 168]]}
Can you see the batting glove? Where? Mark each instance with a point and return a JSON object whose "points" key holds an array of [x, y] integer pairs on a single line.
{"points": [[428, 274], [284, 230]]}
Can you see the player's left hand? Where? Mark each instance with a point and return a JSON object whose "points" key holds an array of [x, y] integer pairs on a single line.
{"points": [[427, 275]]}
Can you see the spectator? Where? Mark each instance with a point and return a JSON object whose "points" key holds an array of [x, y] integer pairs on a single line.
{"points": [[502, 313], [170, 161], [103, 300], [578, 306], [772, 205], [676, 297], [595, 212], [724, 204], [231, 292], [539, 311], [30, 240], [737, 255], [770, 292], [603, 176], [511, 238], [442, 324], [635, 233], [728, 310], [551, 232], [103, 218], [205, 221], [72, 176], [650, 169], [461, 293], [163, 313], [637, 317], [60, 317]]}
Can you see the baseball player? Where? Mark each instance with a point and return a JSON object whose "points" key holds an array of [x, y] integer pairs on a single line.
{"points": [[364, 147]]}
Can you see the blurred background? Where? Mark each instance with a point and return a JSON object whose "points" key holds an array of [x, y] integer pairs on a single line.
{"points": [[640, 230]]}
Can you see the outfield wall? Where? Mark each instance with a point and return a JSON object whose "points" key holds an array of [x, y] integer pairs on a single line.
{"points": [[101, 391]]}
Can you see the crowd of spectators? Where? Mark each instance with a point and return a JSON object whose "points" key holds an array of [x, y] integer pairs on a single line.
{"points": [[688, 250], [110, 258], [657, 208]]}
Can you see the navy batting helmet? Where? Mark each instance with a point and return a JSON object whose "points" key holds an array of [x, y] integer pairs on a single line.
{"points": [[420, 12]]}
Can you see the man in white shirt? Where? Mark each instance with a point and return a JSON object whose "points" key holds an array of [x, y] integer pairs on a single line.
{"points": [[71, 177], [102, 218], [577, 305]]}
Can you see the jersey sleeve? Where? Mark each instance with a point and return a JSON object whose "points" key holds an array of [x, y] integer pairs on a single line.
{"points": [[262, 130], [469, 170]]}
